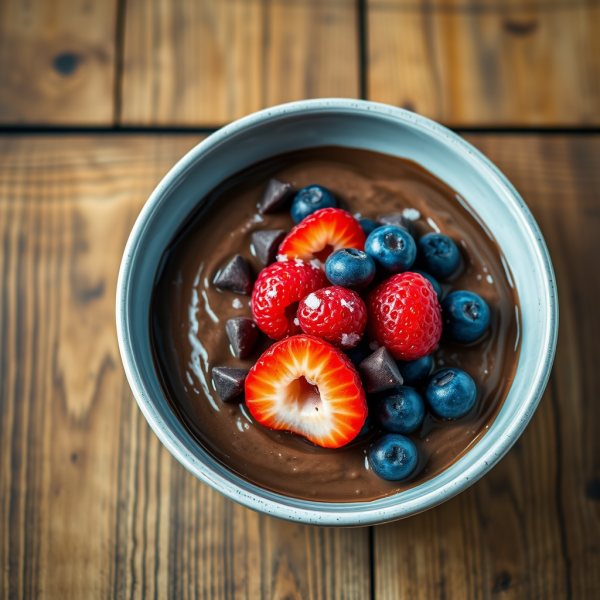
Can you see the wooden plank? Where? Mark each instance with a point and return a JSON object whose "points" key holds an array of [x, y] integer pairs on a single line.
{"points": [[487, 63], [57, 62], [530, 528], [207, 63], [91, 504]]}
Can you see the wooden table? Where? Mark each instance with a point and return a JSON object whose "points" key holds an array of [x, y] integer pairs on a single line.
{"points": [[98, 99]]}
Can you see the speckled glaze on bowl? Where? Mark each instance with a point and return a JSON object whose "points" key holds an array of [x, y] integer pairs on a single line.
{"points": [[369, 126]]}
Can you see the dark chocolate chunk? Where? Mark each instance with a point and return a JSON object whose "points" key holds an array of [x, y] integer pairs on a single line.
{"points": [[235, 276], [229, 382], [399, 221], [379, 372], [242, 334], [266, 244], [276, 197]]}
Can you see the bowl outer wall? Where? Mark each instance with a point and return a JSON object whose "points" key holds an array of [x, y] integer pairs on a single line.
{"points": [[481, 187]]}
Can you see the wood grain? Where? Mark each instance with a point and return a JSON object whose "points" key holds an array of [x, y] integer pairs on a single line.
{"points": [[57, 62], [91, 504], [207, 63], [487, 63], [531, 527]]}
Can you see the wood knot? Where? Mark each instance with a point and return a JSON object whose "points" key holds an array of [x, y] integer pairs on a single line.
{"points": [[502, 582], [592, 489], [66, 63], [519, 28]]}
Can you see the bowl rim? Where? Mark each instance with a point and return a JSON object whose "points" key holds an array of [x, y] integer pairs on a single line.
{"points": [[325, 513]]}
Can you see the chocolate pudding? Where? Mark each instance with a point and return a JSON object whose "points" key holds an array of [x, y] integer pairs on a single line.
{"points": [[189, 315]]}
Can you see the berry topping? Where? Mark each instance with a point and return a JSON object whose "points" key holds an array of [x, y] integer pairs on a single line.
{"points": [[466, 316], [451, 393], [242, 334], [228, 382], [379, 372], [393, 457], [436, 286], [235, 276], [368, 225], [405, 316], [310, 199], [438, 255], [276, 197], [317, 236], [392, 248], [276, 294], [417, 371], [305, 385], [266, 243], [335, 314], [401, 410], [350, 268]]}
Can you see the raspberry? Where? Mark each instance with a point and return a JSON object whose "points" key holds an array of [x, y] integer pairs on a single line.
{"points": [[405, 316], [276, 294], [335, 314]]}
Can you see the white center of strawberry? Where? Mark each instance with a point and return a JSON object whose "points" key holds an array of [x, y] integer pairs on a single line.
{"points": [[304, 396]]}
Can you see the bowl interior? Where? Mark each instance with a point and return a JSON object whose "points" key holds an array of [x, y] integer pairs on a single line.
{"points": [[481, 188]]}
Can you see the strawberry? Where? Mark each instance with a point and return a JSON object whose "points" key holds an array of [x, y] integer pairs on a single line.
{"points": [[305, 385], [276, 294], [335, 314], [405, 316], [319, 234]]}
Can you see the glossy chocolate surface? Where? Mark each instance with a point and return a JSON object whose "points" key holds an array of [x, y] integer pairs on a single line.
{"points": [[189, 316]]}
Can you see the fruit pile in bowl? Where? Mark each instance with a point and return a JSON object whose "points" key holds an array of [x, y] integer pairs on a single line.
{"points": [[354, 309]]}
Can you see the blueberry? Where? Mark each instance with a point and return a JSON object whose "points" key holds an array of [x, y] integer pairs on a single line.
{"points": [[415, 372], [401, 410], [466, 316], [350, 268], [310, 199], [368, 225], [438, 255], [451, 393], [436, 286], [358, 353], [392, 248], [393, 457]]}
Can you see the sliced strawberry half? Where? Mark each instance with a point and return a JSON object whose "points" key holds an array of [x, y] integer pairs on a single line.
{"points": [[321, 233], [305, 385]]}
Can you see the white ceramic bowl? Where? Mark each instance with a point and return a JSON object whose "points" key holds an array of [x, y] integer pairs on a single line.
{"points": [[369, 126]]}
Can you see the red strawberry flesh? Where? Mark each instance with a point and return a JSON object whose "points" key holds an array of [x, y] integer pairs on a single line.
{"points": [[321, 233], [307, 386]]}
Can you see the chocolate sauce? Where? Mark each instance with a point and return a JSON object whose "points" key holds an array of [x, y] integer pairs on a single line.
{"points": [[189, 316]]}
